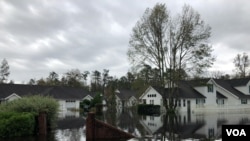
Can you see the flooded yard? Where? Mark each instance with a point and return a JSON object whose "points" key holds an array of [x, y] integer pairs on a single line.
{"points": [[200, 126]]}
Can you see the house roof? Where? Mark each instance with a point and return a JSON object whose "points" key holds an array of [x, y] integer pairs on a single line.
{"points": [[185, 90], [58, 92], [220, 96], [238, 82], [125, 94], [227, 84]]}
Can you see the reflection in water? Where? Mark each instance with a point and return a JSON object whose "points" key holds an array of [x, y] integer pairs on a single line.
{"points": [[201, 126]]}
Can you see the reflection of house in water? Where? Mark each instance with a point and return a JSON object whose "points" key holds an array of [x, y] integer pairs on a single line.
{"points": [[196, 126], [68, 114], [152, 123], [70, 123], [126, 121]]}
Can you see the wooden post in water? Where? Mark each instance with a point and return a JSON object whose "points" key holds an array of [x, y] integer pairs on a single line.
{"points": [[98, 130], [42, 123], [90, 127]]}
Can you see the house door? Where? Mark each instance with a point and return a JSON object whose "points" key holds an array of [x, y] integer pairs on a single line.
{"points": [[188, 106], [189, 110]]}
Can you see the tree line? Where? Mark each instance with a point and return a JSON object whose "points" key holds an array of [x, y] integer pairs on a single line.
{"points": [[136, 80]]}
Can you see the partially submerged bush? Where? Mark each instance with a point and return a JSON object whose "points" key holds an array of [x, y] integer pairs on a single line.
{"points": [[148, 109], [34, 104]]}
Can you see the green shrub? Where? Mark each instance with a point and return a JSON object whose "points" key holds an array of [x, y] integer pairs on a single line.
{"points": [[34, 104], [146, 109], [16, 124], [96, 100], [85, 104]]}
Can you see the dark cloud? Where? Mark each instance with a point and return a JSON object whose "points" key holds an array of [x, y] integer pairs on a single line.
{"points": [[37, 37]]}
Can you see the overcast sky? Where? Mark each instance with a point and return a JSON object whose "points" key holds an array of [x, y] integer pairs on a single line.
{"points": [[40, 36]]}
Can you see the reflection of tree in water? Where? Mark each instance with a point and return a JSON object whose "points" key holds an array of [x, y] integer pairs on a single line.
{"points": [[110, 116], [126, 119], [170, 126], [174, 129]]}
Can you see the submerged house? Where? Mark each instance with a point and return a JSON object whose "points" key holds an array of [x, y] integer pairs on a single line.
{"points": [[205, 94], [125, 98], [68, 97]]}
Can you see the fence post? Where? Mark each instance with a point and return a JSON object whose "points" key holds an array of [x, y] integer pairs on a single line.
{"points": [[42, 123], [90, 127]]}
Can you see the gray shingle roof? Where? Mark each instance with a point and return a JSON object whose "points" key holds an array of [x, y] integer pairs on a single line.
{"points": [[185, 90], [125, 94], [220, 96], [58, 92], [226, 84], [238, 82]]}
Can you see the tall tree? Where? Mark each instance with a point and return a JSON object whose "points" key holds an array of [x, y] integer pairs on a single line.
{"points": [[73, 78], [4, 72], [171, 44], [96, 81], [241, 63], [53, 79], [32, 81]]}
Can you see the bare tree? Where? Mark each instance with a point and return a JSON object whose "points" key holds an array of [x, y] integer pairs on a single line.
{"points": [[171, 44], [241, 63], [4, 71]]}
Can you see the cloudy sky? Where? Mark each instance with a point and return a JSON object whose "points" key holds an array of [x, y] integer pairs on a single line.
{"points": [[40, 36]]}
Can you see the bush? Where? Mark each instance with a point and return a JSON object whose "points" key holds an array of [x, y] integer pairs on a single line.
{"points": [[85, 104], [34, 104], [96, 100], [16, 124], [146, 109]]}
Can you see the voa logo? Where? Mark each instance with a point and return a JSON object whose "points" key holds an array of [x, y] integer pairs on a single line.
{"points": [[236, 132]]}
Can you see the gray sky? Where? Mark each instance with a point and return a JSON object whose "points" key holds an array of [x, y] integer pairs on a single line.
{"points": [[40, 36]]}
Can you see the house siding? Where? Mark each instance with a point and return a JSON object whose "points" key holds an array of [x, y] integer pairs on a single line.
{"points": [[152, 97], [69, 104], [219, 95]]}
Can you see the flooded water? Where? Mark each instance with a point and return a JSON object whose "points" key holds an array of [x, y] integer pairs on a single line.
{"points": [[199, 126]]}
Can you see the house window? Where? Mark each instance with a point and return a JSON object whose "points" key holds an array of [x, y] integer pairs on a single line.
{"points": [[144, 101], [220, 101], [184, 103], [151, 102], [70, 101], [179, 101], [243, 101], [210, 88], [200, 102]]}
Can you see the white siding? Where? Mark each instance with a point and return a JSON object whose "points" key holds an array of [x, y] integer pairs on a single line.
{"points": [[88, 97], [69, 104], [152, 97], [12, 97], [210, 96], [131, 102]]}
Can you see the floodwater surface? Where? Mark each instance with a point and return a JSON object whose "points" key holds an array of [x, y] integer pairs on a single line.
{"points": [[199, 126]]}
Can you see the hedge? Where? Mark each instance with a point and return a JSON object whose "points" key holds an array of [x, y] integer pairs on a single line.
{"points": [[16, 124], [34, 104], [146, 109]]}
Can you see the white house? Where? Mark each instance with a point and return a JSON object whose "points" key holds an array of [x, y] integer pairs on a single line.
{"points": [[205, 94], [125, 98], [68, 97]]}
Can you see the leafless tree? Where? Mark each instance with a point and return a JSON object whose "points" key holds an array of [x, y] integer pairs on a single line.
{"points": [[171, 44], [241, 63]]}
